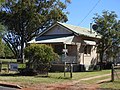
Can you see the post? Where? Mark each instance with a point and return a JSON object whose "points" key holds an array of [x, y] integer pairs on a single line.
{"points": [[0, 66], [71, 70], [8, 67], [65, 53], [64, 68], [112, 73], [90, 27]]}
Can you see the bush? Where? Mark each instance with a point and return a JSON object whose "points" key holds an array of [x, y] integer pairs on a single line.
{"points": [[38, 54], [28, 72]]}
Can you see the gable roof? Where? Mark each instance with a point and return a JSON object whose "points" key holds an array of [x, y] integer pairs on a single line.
{"points": [[65, 40], [80, 30], [76, 30]]}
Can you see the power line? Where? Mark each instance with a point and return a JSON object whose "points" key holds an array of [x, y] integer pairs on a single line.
{"points": [[89, 12]]}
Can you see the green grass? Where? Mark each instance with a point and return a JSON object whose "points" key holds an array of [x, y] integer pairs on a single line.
{"points": [[7, 60], [106, 85], [111, 85], [52, 77], [80, 75], [58, 77]]}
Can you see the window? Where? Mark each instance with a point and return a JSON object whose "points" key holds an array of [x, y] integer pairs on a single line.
{"points": [[87, 49]]}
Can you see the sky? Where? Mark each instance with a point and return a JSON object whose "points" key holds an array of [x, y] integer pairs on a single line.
{"points": [[79, 9]]}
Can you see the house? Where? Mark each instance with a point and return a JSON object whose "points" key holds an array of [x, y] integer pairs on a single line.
{"points": [[117, 60], [74, 44]]}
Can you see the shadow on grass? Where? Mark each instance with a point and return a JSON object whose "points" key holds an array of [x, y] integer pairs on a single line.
{"points": [[59, 77], [10, 74], [36, 76]]}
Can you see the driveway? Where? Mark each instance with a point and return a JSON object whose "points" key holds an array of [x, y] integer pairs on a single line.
{"points": [[6, 88]]}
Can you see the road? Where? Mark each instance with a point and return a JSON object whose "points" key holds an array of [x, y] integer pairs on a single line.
{"points": [[6, 88]]}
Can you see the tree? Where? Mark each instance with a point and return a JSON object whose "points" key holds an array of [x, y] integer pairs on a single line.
{"points": [[1, 48], [7, 52], [25, 19], [2, 29], [39, 54], [109, 27]]}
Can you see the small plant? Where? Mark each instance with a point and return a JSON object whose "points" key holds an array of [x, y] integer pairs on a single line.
{"points": [[39, 54]]}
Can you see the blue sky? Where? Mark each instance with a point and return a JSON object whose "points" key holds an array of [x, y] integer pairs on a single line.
{"points": [[78, 9]]}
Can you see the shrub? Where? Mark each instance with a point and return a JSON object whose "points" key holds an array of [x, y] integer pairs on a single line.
{"points": [[38, 54]]}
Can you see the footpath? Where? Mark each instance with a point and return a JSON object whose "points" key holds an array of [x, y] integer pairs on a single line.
{"points": [[76, 85]]}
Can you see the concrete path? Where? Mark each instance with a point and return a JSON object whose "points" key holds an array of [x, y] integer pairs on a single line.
{"points": [[90, 78], [7, 88], [95, 77]]}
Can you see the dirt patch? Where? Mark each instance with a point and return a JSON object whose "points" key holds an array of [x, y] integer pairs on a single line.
{"points": [[63, 86]]}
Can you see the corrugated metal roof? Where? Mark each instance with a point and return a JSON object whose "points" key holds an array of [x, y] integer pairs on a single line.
{"points": [[65, 40], [81, 31], [90, 42]]}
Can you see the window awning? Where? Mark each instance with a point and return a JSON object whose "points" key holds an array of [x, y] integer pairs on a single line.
{"points": [[65, 40], [89, 42]]}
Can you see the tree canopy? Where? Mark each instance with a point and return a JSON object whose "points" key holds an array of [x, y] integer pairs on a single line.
{"points": [[25, 19], [1, 48], [39, 54], [109, 27]]}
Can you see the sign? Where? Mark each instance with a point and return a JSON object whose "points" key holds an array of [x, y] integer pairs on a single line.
{"points": [[65, 50], [13, 67]]}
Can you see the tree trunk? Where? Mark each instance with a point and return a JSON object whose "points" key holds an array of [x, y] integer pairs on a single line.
{"points": [[101, 57], [20, 57], [22, 49], [101, 60], [21, 54]]}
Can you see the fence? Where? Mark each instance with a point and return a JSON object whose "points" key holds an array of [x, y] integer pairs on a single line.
{"points": [[115, 72], [10, 65]]}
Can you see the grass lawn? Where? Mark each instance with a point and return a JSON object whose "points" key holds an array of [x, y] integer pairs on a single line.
{"points": [[58, 77], [52, 77], [80, 75], [113, 85], [107, 84]]}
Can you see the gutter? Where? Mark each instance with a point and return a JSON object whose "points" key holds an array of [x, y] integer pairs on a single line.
{"points": [[10, 85]]}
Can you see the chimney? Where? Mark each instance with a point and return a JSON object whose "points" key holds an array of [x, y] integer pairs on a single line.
{"points": [[90, 27]]}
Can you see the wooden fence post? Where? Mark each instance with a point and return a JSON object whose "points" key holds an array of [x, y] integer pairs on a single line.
{"points": [[71, 70], [0, 66], [8, 67], [112, 73], [64, 68]]}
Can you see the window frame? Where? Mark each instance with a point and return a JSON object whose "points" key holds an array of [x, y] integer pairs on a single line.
{"points": [[87, 50]]}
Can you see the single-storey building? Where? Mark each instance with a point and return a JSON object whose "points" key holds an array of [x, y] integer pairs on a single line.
{"points": [[72, 43]]}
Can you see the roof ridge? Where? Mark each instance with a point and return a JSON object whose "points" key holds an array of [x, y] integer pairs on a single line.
{"points": [[73, 25]]}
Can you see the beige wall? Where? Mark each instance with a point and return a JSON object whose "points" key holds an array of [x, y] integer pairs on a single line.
{"points": [[90, 59], [87, 60]]}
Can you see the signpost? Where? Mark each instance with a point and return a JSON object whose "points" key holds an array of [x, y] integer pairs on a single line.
{"points": [[68, 68], [13, 66], [67, 65]]}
